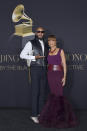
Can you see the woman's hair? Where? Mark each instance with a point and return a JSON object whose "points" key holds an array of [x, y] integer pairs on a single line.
{"points": [[51, 37]]}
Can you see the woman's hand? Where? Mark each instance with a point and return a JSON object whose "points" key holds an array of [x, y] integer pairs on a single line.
{"points": [[63, 81]]}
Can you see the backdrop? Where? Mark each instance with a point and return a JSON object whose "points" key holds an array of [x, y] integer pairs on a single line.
{"points": [[67, 19]]}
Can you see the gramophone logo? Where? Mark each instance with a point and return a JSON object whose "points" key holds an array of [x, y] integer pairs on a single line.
{"points": [[25, 28]]}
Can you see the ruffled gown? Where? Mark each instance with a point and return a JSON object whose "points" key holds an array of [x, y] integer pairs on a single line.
{"points": [[57, 112]]}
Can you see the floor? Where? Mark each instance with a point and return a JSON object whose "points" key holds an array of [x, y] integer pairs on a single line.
{"points": [[19, 120]]}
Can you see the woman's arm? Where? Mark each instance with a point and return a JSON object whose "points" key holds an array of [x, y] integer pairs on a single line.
{"points": [[64, 65]]}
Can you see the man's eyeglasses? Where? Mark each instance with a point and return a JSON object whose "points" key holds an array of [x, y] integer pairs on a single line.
{"points": [[40, 31]]}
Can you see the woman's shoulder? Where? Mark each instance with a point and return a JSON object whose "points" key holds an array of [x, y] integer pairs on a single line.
{"points": [[62, 50], [59, 50]]}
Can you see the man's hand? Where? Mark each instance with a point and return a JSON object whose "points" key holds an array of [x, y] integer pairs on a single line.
{"points": [[39, 57]]}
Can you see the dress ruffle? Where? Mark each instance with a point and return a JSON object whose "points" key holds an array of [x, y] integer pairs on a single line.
{"points": [[57, 113]]}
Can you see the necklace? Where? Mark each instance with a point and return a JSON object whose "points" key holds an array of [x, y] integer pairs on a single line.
{"points": [[52, 51]]}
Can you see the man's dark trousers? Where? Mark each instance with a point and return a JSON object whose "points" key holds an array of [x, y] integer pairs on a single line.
{"points": [[38, 85]]}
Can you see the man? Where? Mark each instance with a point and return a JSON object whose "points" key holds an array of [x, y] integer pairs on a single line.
{"points": [[36, 51]]}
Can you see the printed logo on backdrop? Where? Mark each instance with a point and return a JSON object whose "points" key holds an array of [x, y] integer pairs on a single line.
{"points": [[25, 28]]}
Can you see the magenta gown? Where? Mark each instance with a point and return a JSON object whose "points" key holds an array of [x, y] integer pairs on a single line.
{"points": [[57, 112]]}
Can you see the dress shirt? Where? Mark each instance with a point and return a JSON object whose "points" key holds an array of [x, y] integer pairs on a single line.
{"points": [[27, 52]]}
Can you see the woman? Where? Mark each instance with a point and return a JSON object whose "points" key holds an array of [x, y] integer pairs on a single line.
{"points": [[57, 112]]}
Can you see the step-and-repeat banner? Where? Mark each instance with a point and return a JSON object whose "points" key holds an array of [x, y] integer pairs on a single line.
{"points": [[67, 19]]}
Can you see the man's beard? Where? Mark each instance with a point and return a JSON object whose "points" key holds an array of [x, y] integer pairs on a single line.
{"points": [[39, 38]]}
